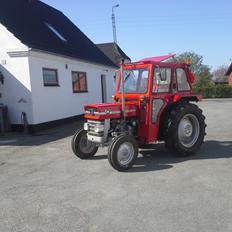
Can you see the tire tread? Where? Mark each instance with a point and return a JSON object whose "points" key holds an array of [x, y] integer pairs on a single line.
{"points": [[171, 138]]}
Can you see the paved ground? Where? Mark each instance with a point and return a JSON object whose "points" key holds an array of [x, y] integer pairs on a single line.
{"points": [[44, 187]]}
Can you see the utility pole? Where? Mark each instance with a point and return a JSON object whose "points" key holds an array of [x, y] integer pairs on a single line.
{"points": [[114, 24]]}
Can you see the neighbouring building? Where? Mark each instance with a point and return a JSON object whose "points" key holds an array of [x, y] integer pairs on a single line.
{"points": [[229, 74], [114, 53], [219, 77], [48, 68], [223, 80]]}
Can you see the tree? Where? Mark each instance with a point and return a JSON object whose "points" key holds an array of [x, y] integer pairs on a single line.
{"points": [[204, 78], [201, 71]]}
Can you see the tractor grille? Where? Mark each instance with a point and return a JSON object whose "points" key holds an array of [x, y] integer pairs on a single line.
{"points": [[92, 125]]}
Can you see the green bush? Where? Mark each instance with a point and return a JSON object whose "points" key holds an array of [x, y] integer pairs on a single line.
{"points": [[216, 91]]}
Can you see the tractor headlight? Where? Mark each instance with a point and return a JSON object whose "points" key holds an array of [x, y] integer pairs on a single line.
{"points": [[99, 128], [86, 126]]}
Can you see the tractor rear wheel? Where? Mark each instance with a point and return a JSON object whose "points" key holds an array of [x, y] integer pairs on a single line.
{"points": [[123, 152], [185, 129], [81, 147]]}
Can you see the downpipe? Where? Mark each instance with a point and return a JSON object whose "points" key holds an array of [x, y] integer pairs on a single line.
{"points": [[24, 122]]}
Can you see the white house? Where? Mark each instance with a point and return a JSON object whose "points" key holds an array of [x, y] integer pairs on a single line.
{"points": [[50, 69]]}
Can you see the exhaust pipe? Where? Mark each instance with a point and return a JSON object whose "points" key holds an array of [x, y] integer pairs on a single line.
{"points": [[123, 90]]}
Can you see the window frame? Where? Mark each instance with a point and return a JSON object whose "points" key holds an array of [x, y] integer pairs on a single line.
{"points": [[190, 87], [57, 79], [171, 79], [86, 83], [139, 69]]}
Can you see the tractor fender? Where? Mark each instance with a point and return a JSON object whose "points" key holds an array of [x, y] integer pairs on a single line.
{"points": [[166, 111], [187, 98]]}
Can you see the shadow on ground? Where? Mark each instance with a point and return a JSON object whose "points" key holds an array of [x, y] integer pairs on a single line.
{"points": [[158, 158], [42, 137], [152, 159]]}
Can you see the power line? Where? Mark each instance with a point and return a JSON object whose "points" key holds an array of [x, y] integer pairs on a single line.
{"points": [[161, 18], [163, 23]]}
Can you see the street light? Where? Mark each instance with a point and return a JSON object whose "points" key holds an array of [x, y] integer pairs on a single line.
{"points": [[114, 24]]}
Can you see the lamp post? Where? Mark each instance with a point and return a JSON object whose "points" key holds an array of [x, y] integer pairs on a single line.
{"points": [[114, 24]]}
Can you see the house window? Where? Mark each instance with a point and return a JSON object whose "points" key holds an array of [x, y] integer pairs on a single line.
{"points": [[79, 82], [50, 77], [61, 37]]}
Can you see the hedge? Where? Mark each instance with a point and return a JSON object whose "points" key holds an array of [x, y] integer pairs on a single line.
{"points": [[216, 91]]}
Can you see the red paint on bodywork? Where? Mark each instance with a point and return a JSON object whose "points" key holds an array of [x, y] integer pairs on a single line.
{"points": [[178, 97], [156, 59], [190, 76], [110, 111], [140, 105]]}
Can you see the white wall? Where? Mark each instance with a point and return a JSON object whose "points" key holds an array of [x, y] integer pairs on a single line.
{"points": [[16, 90], [23, 89], [53, 103]]}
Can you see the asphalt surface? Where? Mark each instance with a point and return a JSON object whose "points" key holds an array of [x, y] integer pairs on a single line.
{"points": [[44, 187]]}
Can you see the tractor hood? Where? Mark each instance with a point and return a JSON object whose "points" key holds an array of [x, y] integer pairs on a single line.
{"points": [[110, 110]]}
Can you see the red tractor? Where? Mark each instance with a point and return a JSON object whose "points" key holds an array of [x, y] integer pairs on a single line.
{"points": [[152, 103]]}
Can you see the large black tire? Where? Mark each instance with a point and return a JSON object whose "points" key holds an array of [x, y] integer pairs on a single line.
{"points": [[81, 147], [185, 129], [123, 152]]}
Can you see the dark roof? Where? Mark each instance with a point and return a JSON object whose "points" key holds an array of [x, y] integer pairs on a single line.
{"points": [[113, 51], [229, 70], [29, 21]]}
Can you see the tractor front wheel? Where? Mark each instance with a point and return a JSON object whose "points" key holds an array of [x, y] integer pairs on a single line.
{"points": [[81, 147], [123, 152]]}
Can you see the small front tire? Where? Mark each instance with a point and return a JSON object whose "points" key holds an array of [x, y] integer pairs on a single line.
{"points": [[123, 152], [81, 147]]}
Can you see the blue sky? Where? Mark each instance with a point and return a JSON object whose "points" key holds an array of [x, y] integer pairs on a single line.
{"points": [[149, 28]]}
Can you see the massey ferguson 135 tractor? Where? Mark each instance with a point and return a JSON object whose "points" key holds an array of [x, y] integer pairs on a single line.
{"points": [[152, 103]]}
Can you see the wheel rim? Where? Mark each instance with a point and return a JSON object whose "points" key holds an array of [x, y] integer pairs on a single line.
{"points": [[85, 145], [188, 130], [125, 153]]}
